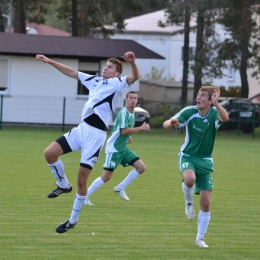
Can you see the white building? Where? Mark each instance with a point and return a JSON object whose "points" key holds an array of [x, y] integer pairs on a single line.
{"points": [[35, 92], [168, 42]]}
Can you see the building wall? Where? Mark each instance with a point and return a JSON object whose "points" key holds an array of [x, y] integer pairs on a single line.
{"points": [[164, 92], [36, 92], [154, 93], [254, 86], [29, 77]]}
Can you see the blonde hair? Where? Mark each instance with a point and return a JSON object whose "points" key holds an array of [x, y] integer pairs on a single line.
{"points": [[209, 89], [118, 63]]}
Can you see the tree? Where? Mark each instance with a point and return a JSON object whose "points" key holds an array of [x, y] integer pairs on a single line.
{"points": [[242, 46], [206, 65], [31, 10], [100, 18], [19, 16], [2, 27], [186, 47], [180, 12], [97, 17], [203, 67], [74, 18]]}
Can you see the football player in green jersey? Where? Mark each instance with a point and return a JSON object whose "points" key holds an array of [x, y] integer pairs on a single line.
{"points": [[195, 158], [117, 151]]}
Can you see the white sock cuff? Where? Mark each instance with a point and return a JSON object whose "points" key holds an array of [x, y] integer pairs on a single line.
{"points": [[99, 181], [187, 189], [55, 163], [134, 173], [80, 197], [204, 214]]}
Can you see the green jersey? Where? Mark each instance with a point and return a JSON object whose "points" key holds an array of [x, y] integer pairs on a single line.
{"points": [[118, 142], [200, 130]]}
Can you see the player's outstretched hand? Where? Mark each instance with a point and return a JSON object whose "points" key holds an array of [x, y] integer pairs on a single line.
{"points": [[130, 140], [215, 96], [129, 56], [42, 58], [145, 126], [174, 122]]}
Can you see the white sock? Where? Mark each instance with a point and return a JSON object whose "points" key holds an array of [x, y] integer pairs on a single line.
{"points": [[203, 222], [188, 193], [96, 184], [57, 169], [128, 179], [77, 206]]}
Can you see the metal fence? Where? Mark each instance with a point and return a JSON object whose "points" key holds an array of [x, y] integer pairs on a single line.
{"points": [[37, 110], [64, 111]]}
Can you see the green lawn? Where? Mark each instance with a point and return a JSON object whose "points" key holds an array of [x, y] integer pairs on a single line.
{"points": [[152, 225]]}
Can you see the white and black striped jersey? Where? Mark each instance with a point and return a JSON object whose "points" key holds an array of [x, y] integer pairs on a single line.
{"points": [[103, 95]]}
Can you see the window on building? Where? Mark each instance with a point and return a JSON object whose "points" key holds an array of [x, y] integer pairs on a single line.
{"points": [[91, 68], [230, 73], [3, 76], [82, 90], [191, 53]]}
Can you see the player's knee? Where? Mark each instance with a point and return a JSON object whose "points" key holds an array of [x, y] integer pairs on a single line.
{"points": [[141, 169], [205, 205], [48, 154], [189, 181], [106, 178]]}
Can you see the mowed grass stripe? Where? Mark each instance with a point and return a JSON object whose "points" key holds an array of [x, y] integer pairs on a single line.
{"points": [[152, 225]]}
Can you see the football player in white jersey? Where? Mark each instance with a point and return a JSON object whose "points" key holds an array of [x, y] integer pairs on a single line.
{"points": [[117, 151], [89, 136], [195, 158]]}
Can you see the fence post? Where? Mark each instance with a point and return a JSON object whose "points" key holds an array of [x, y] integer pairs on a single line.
{"points": [[1, 111], [63, 114], [253, 123], [182, 106], [238, 123]]}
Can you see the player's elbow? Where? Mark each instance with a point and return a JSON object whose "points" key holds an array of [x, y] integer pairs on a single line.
{"points": [[166, 124], [224, 118]]}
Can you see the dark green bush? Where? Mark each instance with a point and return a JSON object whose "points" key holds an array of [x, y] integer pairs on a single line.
{"points": [[166, 111]]}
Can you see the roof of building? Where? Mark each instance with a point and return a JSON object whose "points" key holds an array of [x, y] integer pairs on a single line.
{"points": [[148, 23], [71, 47], [42, 29]]}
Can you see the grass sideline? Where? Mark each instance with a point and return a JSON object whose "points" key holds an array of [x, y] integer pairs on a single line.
{"points": [[152, 225]]}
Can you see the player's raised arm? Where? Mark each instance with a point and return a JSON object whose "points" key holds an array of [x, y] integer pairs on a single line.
{"points": [[59, 66], [223, 115], [135, 75]]}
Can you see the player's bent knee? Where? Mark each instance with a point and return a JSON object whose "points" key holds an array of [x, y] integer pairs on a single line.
{"points": [[48, 154], [106, 178], [141, 169], [52, 152]]}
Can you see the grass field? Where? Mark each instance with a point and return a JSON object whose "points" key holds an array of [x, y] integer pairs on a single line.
{"points": [[152, 225]]}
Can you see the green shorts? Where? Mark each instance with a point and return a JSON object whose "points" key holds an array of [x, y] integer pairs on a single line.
{"points": [[125, 158], [203, 169]]}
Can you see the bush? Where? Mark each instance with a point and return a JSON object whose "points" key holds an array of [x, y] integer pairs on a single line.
{"points": [[166, 111], [157, 121], [232, 91]]}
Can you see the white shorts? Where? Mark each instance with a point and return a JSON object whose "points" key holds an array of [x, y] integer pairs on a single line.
{"points": [[89, 140]]}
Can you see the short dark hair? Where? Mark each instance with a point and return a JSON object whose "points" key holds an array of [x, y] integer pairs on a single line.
{"points": [[131, 92], [118, 63]]}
